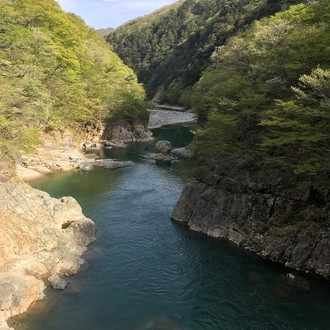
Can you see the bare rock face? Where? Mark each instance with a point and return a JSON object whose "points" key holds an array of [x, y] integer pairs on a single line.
{"points": [[58, 152], [285, 224], [42, 239], [122, 133]]}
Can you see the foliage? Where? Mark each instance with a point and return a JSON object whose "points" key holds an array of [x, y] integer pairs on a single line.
{"points": [[55, 72], [170, 48], [268, 93], [131, 108]]}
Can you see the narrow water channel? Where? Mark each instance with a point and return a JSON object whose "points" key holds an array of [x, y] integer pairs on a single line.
{"points": [[146, 273]]}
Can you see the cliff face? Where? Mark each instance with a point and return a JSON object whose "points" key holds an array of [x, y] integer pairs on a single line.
{"points": [[267, 216], [42, 240]]}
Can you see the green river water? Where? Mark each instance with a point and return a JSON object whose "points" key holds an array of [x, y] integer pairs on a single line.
{"points": [[146, 273]]}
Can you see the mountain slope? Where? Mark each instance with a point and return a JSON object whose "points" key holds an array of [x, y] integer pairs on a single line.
{"points": [[263, 157], [55, 72], [171, 48]]}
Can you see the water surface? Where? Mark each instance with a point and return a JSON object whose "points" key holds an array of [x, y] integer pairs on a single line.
{"points": [[146, 273]]}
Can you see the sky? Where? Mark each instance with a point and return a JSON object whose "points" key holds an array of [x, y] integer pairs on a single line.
{"points": [[111, 13]]}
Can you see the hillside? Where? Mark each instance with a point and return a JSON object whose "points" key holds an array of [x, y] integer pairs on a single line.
{"points": [[262, 178], [267, 93], [55, 72], [170, 48]]}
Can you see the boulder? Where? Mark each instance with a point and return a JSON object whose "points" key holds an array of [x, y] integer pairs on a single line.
{"points": [[161, 159], [183, 153], [91, 147], [86, 166], [112, 164], [164, 147], [57, 282], [105, 163]]}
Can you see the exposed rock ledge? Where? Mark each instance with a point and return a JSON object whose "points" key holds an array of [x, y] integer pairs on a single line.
{"points": [[63, 151], [58, 152], [290, 226], [42, 240]]}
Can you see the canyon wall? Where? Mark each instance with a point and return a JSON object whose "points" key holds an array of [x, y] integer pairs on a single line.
{"points": [[279, 220]]}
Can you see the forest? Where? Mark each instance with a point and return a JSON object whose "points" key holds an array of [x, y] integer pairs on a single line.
{"points": [[267, 94], [56, 72], [256, 72], [170, 48]]}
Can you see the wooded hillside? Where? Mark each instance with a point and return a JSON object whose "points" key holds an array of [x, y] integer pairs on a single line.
{"points": [[55, 72], [170, 48]]}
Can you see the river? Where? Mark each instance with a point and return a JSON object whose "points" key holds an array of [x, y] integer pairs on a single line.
{"points": [[147, 273]]}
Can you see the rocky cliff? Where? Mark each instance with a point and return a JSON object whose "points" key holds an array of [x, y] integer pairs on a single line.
{"points": [[279, 220], [42, 240], [123, 132]]}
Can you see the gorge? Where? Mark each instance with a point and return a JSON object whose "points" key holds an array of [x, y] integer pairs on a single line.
{"points": [[144, 272], [214, 114]]}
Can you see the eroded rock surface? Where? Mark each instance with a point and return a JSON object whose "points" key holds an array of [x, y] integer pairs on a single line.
{"points": [[57, 152], [282, 223], [42, 240], [121, 133]]}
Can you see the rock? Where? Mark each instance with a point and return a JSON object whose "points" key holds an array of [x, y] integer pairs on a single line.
{"points": [[121, 133], [57, 282], [41, 238], [163, 147], [91, 147], [86, 166], [112, 164], [275, 219], [115, 144], [58, 152], [105, 163], [290, 276], [161, 159], [183, 153]]}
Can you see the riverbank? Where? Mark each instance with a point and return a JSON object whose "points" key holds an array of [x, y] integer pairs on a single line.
{"points": [[276, 218], [42, 238], [42, 242], [69, 150]]}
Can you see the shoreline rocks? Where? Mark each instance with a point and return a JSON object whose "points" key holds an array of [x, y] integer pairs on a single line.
{"points": [[166, 155], [286, 225], [122, 133], [42, 241], [104, 163]]}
